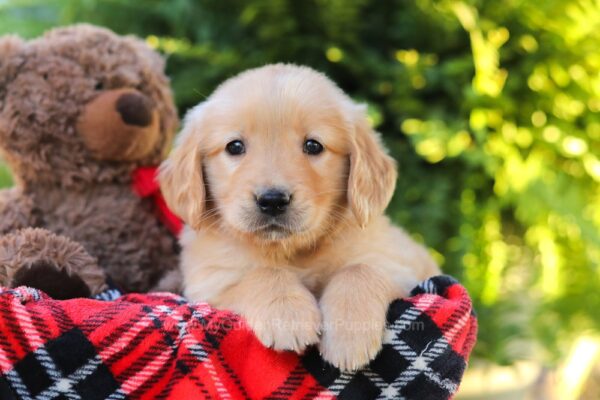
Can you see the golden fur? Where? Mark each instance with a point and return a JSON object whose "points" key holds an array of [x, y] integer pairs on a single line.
{"points": [[328, 272]]}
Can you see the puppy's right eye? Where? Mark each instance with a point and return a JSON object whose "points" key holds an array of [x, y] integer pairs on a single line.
{"points": [[235, 147]]}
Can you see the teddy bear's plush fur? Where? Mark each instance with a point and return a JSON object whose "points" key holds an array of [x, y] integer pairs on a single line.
{"points": [[80, 109]]}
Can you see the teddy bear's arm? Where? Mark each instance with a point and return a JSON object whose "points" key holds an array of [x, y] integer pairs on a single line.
{"points": [[16, 211]]}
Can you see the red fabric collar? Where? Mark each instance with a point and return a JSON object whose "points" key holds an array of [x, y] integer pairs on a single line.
{"points": [[145, 184]]}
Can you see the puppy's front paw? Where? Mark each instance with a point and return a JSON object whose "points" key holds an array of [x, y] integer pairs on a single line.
{"points": [[354, 306], [349, 340], [289, 322]]}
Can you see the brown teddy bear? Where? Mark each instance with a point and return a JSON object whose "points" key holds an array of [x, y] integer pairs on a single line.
{"points": [[82, 112]]}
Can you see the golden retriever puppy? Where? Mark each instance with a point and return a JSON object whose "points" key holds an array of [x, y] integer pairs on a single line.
{"points": [[282, 184]]}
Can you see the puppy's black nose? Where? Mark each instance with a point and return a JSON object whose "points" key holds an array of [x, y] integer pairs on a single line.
{"points": [[273, 202]]}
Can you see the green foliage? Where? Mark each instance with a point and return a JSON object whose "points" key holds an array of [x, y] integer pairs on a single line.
{"points": [[490, 107], [5, 179]]}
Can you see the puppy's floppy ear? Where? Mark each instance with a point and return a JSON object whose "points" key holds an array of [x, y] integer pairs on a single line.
{"points": [[373, 173], [180, 175]]}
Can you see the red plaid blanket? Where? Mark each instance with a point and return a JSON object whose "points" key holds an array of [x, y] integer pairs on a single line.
{"points": [[157, 346]]}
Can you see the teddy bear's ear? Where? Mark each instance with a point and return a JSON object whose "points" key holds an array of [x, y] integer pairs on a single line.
{"points": [[10, 47], [143, 50]]}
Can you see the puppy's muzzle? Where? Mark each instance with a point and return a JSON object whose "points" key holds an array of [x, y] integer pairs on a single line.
{"points": [[273, 202]]}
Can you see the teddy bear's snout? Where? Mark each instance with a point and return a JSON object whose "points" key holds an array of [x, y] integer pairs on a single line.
{"points": [[120, 125], [135, 109]]}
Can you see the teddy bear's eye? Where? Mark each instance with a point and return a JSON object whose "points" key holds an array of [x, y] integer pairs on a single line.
{"points": [[99, 86]]}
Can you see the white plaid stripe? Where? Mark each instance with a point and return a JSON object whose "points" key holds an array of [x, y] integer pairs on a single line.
{"points": [[117, 395], [25, 294], [429, 287], [340, 383], [423, 303], [17, 384], [195, 348], [388, 391], [108, 295], [420, 362], [221, 389]]}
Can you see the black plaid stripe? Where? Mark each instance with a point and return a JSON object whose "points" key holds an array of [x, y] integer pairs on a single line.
{"points": [[8, 319], [6, 392], [289, 386], [323, 372], [51, 373], [107, 315], [61, 318], [436, 285], [233, 376], [358, 388], [117, 331], [461, 312]]}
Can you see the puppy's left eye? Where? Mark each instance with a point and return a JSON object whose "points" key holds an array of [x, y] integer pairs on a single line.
{"points": [[235, 147], [312, 147]]}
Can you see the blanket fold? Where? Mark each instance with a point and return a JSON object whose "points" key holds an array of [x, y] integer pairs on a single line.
{"points": [[158, 346]]}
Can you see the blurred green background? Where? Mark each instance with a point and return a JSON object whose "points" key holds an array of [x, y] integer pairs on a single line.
{"points": [[490, 107]]}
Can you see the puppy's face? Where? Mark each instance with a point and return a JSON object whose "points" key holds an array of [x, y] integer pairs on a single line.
{"points": [[280, 153], [276, 162]]}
